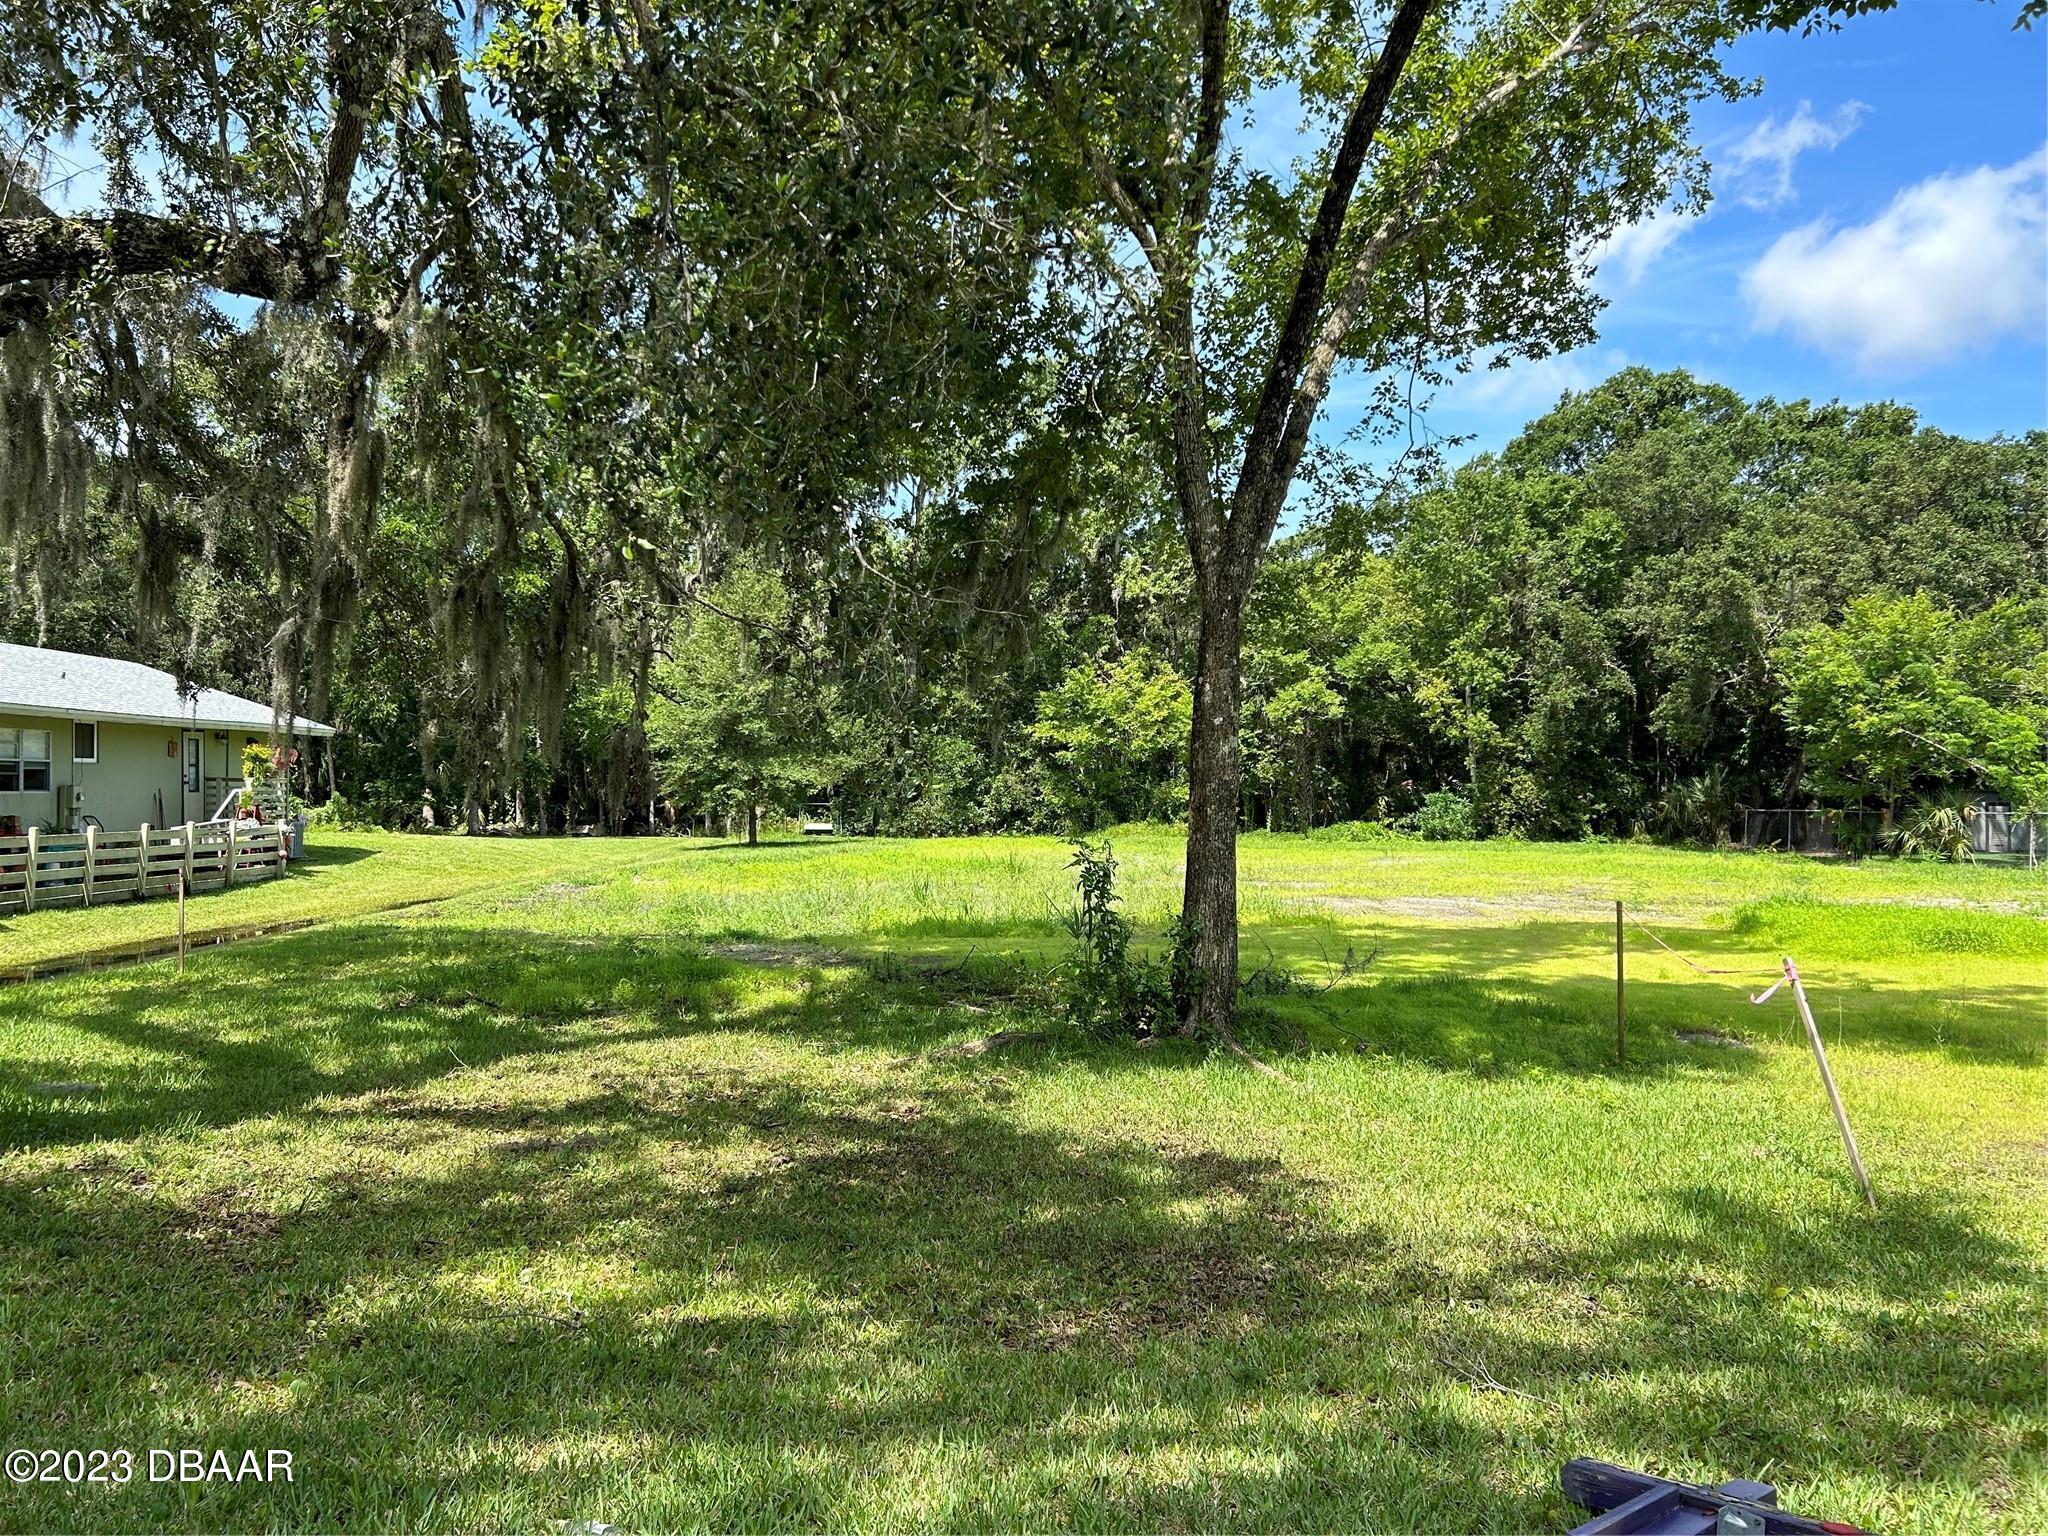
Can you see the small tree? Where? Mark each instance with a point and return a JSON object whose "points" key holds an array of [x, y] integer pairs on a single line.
{"points": [[738, 718], [1290, 710], [267, 773]]}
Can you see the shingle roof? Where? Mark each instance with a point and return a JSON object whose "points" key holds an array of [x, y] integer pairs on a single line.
{"points": [[99, 688]]}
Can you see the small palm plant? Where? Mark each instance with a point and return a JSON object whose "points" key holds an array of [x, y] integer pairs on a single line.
{"points": [[1940, 826], [1699, 809]]}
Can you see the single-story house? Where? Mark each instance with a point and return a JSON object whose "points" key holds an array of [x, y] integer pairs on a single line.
{"points": [[90, 736]]}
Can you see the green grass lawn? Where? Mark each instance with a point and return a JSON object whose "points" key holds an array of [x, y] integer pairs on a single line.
{"points": [[631, 1183], [344, 874]]}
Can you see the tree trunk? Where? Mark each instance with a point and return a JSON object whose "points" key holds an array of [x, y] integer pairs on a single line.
{"points": [[1303, 758], [1215, 783], [753, 824]]}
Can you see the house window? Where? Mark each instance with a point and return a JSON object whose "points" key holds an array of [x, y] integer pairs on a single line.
{"points": [[85, 741], [24, 760]]}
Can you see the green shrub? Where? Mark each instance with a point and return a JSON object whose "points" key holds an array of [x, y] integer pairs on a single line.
{"points": [[1445, 817], [1700, 809], [349, 813]]}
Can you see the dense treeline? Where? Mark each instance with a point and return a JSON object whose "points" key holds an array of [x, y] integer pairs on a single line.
{"points": [[1657, 602], [1592, 631], [1595, 631]]}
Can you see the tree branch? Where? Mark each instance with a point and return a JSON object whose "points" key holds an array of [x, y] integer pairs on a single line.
{"points": [[290, 267], [1259, 503], [1209, 116], [351, 81], [280, 268], [1312, 281], [1120, 196]]}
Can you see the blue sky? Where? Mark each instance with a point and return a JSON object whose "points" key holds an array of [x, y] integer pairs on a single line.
{"points": [[1877, 232]]}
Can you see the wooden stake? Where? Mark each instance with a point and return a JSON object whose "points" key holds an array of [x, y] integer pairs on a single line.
{"points": [[1820, 1055], [1620, 996], [181, 922]]}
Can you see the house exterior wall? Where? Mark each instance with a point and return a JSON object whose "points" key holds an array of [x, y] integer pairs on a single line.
{"points": [[139, 776], [134, 769]]}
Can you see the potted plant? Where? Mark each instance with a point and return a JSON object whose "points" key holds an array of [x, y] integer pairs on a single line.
{"points": [[267, 773]]}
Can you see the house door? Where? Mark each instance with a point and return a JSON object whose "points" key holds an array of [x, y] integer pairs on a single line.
{"points": [[194, 781]]}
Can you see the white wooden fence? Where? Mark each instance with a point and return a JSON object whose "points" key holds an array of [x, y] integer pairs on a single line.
{"points": [[52, 869]]}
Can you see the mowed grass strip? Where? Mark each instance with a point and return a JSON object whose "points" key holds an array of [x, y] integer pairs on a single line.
{"points": [[644, 1194]]}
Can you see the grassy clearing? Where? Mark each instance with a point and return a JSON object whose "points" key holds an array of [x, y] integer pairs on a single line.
{"points": [[640, 1195]]}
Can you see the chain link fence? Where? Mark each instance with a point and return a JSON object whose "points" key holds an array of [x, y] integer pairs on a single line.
{"points": [[1994, 828]]}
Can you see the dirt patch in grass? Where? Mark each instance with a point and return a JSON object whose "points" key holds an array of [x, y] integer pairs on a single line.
{"points": [[555, 891], [996, 1041], [2020, 1158], [226, 1221], [1713, 1037], [519, 1146]]}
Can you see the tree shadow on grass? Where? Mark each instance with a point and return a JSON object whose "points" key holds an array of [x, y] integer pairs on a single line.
{"points": [[624, 1285], [1538, 995], [318, 855], [269, 1025], [1776, 1338], [767, 845]]}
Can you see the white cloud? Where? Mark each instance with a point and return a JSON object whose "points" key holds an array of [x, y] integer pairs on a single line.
{"points": [[1758, 169], [1529, 385], [1634, 247], [1760, 165], [1955, 263]]}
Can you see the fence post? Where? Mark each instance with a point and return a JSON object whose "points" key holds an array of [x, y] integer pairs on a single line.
{"points": [[1620, 988], [1820, 1055], [142, 865], [189, 830], [28, 889], [92, 851]]}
